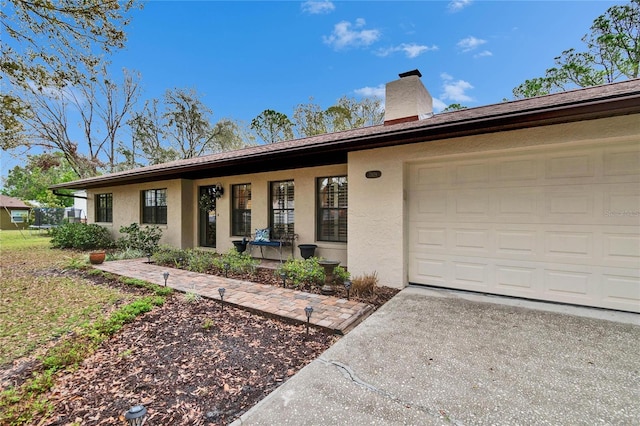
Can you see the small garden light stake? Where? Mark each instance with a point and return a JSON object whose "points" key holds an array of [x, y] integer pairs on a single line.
{"points": [[308, 311], [166, 277], [149, 257], [221, 290], [226, 269], [347, 285], [135, 415], [283, 275]]}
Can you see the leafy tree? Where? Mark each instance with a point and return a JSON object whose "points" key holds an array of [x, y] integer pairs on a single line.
{"points": [[31, 182], [272, 126], [454, 107], [53, 44], [612, 54], [310, 119], [182, 129], [348, 113]]}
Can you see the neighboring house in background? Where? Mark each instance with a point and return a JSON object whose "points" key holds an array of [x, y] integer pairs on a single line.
{"points": [[536, 198], [80, 205], [14, 213]]}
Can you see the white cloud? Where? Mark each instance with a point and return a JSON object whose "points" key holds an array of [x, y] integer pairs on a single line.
{"points": [[483, 54], [470, 43], [455, 90], [411, 50], [318, 7], [458, 5], [378, 91], [347, 35]]}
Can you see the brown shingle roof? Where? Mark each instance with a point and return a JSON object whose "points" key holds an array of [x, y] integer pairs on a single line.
{"points": [[12, 203], [332, 148]]}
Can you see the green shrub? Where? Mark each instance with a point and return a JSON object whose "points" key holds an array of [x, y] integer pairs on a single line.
{"points": [[81, 236], [301, 271], [340, 274], [145, 238], [198, 260], [238, 262], [170, 256]]}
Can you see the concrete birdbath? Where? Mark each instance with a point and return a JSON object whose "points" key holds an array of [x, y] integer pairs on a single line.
{"points": [[329, 266]]}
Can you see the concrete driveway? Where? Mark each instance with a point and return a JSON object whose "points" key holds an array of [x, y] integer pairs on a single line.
{"points": [[438, 357]]}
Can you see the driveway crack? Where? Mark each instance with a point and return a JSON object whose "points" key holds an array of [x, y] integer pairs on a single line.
{"points": [[349, 374]]}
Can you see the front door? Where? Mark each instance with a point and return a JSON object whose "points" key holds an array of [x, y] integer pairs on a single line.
{"points": [[207, 219]]}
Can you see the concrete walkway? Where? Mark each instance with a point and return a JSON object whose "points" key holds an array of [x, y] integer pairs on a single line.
{"points": [[333, 314]]}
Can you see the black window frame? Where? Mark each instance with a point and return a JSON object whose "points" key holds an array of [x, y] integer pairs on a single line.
{"points": [[241, 210], [104, 208], [331, 210], [156, 212], [282, 208]]}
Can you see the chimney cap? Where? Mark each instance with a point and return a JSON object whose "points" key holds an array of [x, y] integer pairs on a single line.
{"points": [[410, 73]]}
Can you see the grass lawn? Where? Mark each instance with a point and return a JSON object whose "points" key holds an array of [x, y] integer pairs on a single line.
{"points": [[37, 302]]}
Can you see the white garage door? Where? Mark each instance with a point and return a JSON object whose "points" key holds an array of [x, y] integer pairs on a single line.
{"points": [[554, 224]]}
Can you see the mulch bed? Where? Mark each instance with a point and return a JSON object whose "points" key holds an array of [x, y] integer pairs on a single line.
{"points": [[190, 363]]}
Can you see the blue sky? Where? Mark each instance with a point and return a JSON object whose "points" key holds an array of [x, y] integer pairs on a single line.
{"points": [[243, 57], [247, 56]]}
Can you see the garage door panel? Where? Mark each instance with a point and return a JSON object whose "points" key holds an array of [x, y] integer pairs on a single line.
{"points": [[559, 225], [621, 162], [562, 166], [621, 249], [620, 291]]}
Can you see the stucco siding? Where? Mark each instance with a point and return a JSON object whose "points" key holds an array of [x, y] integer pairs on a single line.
{"points": [[127, 209], [377, 207]]}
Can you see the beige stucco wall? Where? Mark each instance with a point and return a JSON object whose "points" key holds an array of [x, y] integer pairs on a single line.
{"points": [[127, 209], [305, 181], [377, 207]]}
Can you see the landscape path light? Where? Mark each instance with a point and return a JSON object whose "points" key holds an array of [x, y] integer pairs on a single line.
{"points": [[347, 286], [226, 269], [283, 275], [135, 415], [308, 311], [166, 277], [221, 290], [149, 257]]}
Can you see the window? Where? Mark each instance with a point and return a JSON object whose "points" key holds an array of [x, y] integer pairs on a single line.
{"points": [[154, 206], [241, 210], [19, 216], [104, 208], [282, 211], [331, 220]]}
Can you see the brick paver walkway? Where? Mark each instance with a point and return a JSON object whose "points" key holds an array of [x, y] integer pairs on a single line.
{"points": [[336, 315]]}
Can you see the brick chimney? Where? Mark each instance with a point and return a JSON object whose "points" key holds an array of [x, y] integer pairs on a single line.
{"points": [[407, 99]]}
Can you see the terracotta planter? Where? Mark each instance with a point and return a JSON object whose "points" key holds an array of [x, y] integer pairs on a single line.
{"points": [[97, 257]]}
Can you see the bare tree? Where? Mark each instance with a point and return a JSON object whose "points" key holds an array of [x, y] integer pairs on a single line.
{"points": [[102, 107]]}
